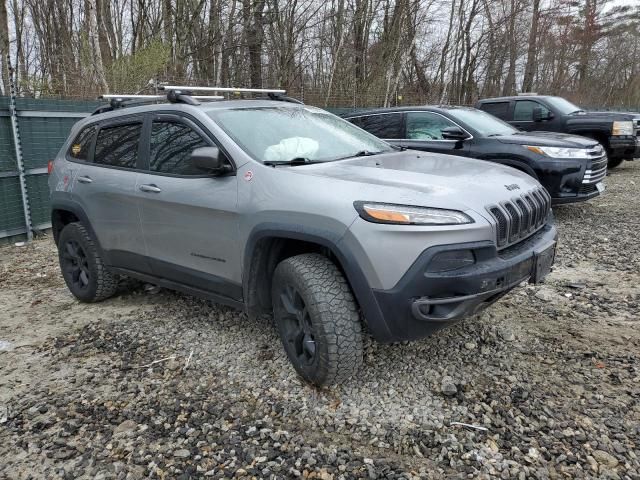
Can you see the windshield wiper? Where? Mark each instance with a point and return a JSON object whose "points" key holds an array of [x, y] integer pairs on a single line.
{"points": [[361, 153], [293, 161]]}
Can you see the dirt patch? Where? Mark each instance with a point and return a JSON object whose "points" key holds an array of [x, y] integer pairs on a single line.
{"points": [[167, 386]]}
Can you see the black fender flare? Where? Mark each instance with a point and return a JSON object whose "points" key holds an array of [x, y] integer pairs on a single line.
{"points": [[363, 293], [78, 211]]}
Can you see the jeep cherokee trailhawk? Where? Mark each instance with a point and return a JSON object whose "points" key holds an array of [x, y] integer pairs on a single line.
{"points": [[275, 207]]}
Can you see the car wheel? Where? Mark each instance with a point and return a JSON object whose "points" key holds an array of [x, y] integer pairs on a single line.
{"points": [[614, 162], [82, 267], [317, 319]]}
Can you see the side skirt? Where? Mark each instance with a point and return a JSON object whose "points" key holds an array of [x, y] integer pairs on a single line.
{"points": [[196, 292]]}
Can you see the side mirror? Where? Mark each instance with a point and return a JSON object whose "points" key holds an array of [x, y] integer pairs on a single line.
{"points": [[537, 114], [209, 160], [454, 133]]}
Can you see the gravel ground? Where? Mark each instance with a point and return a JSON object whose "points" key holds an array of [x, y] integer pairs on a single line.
{"points": [[161, 385]]}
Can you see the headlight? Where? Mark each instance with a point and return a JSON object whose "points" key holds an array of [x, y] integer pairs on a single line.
{"points": [[622, 128], [409, 215], [557, 152]]}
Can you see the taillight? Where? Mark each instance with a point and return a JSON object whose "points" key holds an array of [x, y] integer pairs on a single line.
{"points": [[50, 167]]}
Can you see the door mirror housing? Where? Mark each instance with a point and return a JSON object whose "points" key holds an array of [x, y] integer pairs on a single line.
{"points": [[538, 116], [209, 160], [454, 133]]}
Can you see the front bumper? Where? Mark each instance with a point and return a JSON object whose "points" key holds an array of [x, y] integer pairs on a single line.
{"points": [[424, 302], [625, 146], [570, 181]]}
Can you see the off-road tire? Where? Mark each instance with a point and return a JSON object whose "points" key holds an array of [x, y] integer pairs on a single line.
{"points": [[332, 319], [97, 283], [614, 162]]}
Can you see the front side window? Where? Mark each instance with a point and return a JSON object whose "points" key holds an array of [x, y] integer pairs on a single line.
{"points": [[523, 111], [426, 125], [388, 125], [171, 146], [117, 145], [79, 149], [482, 122], [282, 134]]}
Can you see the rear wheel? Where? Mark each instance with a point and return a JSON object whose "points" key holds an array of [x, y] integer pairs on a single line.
{"points": [[317, 318], [82, 267]]}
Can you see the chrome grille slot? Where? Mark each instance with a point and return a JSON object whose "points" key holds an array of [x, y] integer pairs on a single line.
{"points": [[514, 231], [526, 217], [502, 225], [519, 217]]}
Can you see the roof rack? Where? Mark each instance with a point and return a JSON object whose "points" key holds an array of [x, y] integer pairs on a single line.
{"points": [[271, 93], [182, 94]]}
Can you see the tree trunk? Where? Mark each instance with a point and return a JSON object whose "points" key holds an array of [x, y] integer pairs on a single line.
{"points": [[530, 67], [94, 45], [4, 46]]}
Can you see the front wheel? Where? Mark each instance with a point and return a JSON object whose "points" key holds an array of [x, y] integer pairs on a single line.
{"points": [[614, 162], [317, 318]]}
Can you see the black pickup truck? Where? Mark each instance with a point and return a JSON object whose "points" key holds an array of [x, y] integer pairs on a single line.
{"points": [[618, 133]]}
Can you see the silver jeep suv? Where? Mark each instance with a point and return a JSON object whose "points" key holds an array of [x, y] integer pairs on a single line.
{"points": [[275, 207]]}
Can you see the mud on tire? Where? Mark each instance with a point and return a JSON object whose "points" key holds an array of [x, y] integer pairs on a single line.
{"points": [[82, 267], [317, 319]]}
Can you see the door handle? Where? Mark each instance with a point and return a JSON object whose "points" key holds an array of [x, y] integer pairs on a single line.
{"points": [[85, 180], [150, 188]]}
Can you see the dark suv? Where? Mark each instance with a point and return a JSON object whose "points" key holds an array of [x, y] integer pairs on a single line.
{"points": [[618, 133], [571, 168]]}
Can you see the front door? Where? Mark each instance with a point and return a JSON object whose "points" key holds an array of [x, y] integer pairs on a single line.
{"points": [[423, 131], [189, 218], [523, 116]]}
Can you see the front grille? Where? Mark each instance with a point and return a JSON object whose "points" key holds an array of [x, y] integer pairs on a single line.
{"points": [[587, 189], [597, 168], [519, 217]]}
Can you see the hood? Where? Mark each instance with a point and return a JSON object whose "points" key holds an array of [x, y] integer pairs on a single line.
{"points": [[613, 116], [548, 139], [419, 178]]}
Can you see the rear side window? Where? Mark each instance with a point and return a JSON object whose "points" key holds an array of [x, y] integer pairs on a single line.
{"points": [[497, 109], [117, 146], [171, 147], [524, 110], [388, 125], [81, 145]]}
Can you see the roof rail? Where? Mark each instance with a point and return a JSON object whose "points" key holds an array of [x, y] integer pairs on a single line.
{"points": [[173, 96], [225, 89], [522, 94]]}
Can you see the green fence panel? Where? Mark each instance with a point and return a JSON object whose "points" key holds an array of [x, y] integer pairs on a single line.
{"points": [[56, 105], [7, 151], [38, 191], [42, 137], [11, 213]]}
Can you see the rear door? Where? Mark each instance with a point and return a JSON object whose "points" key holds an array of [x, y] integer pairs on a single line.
{"points": [[105, 185], [423, 131], [189, 217]]}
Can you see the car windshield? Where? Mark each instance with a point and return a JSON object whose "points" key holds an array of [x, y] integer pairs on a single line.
{"points": [[482, 122], [284, 134], [565, 107]]}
